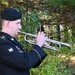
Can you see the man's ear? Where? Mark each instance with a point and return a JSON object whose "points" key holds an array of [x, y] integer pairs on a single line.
{"points": [[8, 24]]}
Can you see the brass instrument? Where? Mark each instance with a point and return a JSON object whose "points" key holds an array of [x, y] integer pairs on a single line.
{"points": [[48, 40]]}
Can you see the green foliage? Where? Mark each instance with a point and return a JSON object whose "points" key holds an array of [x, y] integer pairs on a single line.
{"points": [[56, 63], [30, 22], [57, 3]]}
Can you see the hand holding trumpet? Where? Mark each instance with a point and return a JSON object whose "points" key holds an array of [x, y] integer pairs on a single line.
{"points": [[40, 39]]}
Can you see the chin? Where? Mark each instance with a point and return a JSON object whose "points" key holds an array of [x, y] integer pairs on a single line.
{"points": [[16, 34]]}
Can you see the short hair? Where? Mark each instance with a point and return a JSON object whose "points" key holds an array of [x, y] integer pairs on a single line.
{"points": [[1, 22]]}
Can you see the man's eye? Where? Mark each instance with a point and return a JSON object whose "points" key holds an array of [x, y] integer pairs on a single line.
{"points": [[17, 23]]}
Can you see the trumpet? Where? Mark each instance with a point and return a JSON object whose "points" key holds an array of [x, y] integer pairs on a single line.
{"points": [[47, 40]]}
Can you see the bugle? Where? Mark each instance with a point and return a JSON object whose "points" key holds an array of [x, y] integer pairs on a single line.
{"points": [[48, 40]]}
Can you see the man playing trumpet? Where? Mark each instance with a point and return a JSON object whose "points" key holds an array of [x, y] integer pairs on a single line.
{"points": [[14, 59]]}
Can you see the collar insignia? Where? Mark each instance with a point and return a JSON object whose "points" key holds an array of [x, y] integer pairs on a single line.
{"points": [[3, 37], [10, 50]]}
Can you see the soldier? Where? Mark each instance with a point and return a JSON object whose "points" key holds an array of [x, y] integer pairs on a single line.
{"points": [[14, 59]]}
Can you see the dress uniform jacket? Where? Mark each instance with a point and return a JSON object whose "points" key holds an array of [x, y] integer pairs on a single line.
{"points": [[14, 60]]}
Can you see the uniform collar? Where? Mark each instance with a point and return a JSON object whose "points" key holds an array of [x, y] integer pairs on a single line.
{"points": [[7, 36]]}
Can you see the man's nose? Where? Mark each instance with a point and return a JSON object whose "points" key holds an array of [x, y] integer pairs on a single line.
{"points": [[20, 27]]}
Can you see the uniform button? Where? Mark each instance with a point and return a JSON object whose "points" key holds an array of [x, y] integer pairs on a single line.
{"points": [[12, 39]]}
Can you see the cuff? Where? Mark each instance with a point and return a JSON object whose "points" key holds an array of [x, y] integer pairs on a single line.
{"points": [[39, 51]]}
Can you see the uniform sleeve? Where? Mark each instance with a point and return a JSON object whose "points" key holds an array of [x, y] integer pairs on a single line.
{"points": [[10, 56]]}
